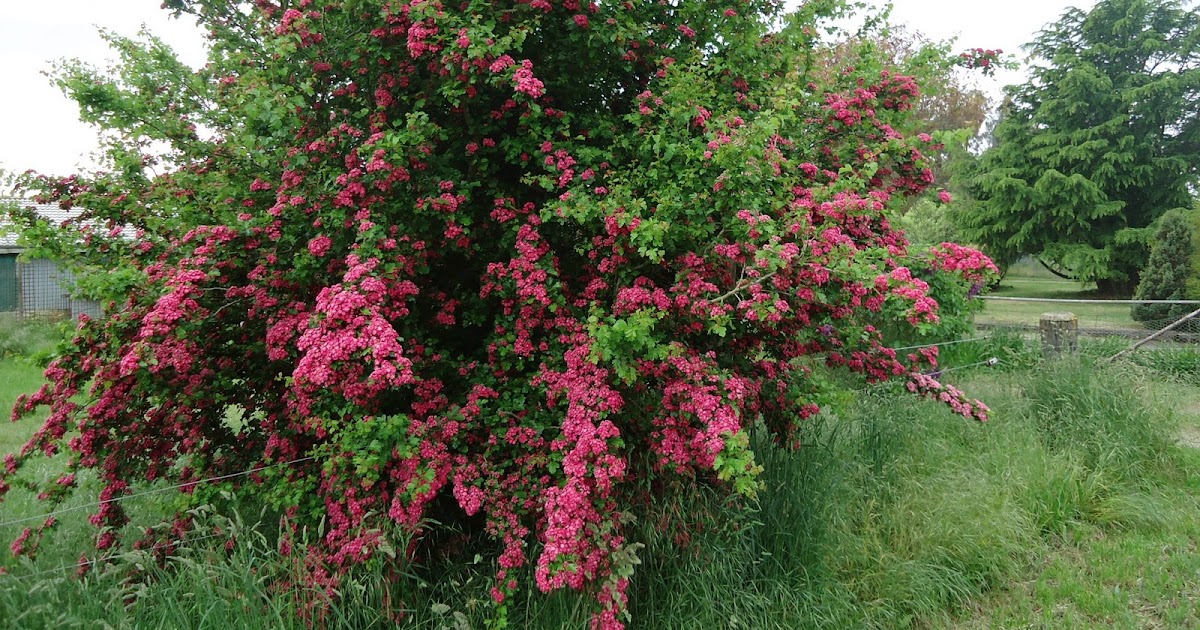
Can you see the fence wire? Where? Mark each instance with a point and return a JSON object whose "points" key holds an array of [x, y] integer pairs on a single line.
{"points": [[1132, 319]]}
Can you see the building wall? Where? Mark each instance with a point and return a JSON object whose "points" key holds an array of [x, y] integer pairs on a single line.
{"points": [[42, 287], [39, 288]]}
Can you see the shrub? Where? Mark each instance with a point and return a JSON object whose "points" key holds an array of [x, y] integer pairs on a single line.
{"points": [[1167, 273], [501, 270], [928, 223]]}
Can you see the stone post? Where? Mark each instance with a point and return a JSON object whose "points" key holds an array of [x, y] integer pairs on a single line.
{"points": [[1060, 334]]}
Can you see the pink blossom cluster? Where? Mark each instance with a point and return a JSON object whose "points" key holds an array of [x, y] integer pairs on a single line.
{"points": [[983, 59], [575, 551], [972, 264], [901, 283], [949, 395], [527, 83], [352, 334]]}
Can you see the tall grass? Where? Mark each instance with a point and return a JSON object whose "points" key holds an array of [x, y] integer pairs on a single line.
{"points": [[32, 339], [205, 587], [894, 513]]}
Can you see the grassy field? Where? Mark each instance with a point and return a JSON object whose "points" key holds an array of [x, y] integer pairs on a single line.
{"points": [[1075, 507], [16, 378], [1028, 279]]}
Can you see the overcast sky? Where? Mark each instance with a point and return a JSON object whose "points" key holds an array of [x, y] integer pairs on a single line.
{"points": [[1007, 25], [39, 127]]}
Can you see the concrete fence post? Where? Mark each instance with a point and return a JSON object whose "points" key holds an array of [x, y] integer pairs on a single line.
{"points": [[1060, 334]]}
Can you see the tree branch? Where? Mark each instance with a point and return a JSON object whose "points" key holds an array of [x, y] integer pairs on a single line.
{"points": [[742, 285]]}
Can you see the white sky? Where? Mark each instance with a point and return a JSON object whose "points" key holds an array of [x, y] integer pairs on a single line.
{"points": [[1007, 25], [39, 128]]}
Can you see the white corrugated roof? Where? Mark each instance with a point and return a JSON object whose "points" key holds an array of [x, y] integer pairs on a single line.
{"points": [[55, 214]]}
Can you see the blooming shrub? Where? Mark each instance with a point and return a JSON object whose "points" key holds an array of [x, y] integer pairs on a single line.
{"points": [[969, 263], [983, 59], [956, 276], [517, 259]]}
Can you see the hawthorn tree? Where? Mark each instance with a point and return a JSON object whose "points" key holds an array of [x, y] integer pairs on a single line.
{"points": [[1102, 140], [517, 260], [949, 100]]}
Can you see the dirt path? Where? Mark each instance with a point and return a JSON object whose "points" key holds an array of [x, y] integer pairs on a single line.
{"points": [[1189, 436], [1189, 433]]}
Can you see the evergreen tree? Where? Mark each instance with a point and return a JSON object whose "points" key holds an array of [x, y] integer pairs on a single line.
{"points": [[1100, 142], [1166, 275], [1193, 281]]}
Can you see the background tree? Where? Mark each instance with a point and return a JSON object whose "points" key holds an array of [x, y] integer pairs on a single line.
{"points": [[927, 223], [1102, 140], [1167, 273], [1193, 282], [950, 100]]}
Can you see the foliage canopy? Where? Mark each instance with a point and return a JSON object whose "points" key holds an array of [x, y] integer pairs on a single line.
{"points": [[532, 264], [1101, 141]]}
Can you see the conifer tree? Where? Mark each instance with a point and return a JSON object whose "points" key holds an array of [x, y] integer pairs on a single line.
{"points": [[1102, 140], [1166, 274]]}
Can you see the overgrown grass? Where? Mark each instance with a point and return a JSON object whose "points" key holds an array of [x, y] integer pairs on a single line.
{"points": [[895, 513], [31, 339]]}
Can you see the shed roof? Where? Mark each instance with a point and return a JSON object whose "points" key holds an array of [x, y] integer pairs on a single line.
{"points": [[53, 213]]}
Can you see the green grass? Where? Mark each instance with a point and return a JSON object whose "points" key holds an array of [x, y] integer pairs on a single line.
{"points": [[19, 376], [1072, 508], [1034, 282], [16, 378], [28, 338], [1029, 280]]}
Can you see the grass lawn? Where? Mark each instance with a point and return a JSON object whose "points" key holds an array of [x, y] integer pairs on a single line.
{"points": [[1074, 507], [1031, 281], [19, 377], [16, 378]]}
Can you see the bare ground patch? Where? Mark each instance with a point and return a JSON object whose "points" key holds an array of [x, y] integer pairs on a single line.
{"points": [[1189, 436]]}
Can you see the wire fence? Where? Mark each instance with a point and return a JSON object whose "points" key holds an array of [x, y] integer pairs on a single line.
{"points": [[1024, 318], [44, 517], [67, 569], [126, 497], [39, 289], [83, 564], [1132, 319]]}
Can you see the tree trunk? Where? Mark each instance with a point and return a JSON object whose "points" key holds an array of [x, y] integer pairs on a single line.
{"points": [[1113, 288]]}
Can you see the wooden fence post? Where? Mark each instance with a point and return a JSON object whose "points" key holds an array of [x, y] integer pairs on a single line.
{"points": [[1060, 334]]}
